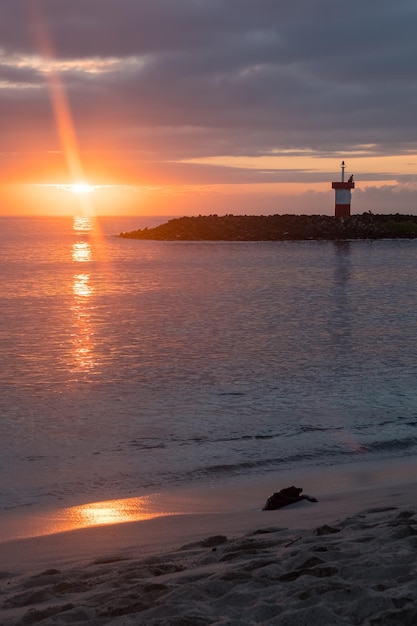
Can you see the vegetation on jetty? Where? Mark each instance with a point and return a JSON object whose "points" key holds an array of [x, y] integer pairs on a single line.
{"points": [[280, 228]]}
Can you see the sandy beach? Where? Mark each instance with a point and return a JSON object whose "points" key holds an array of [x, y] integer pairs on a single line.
{"points": [[347, 559]]}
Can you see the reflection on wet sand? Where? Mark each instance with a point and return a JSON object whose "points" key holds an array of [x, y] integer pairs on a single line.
{"points": [[51, 522], [109, 512]]}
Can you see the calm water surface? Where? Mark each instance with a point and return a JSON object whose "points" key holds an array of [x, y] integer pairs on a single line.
{"points": [[128, 365]]}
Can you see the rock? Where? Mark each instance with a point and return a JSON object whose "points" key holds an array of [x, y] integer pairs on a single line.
{"points": [[286, 496]]}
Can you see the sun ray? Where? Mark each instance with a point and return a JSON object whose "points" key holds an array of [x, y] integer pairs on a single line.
{"points": [[60, 105]]}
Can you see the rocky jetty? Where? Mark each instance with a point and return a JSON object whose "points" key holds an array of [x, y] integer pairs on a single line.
{"points": [[280, 228]]}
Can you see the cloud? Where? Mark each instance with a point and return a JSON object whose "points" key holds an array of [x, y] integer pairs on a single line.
{"points": [[152, 81]]}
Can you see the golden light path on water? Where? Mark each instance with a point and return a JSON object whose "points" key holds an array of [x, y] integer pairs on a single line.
{"points": [[109, 511], [83, 361], [82, 337]]}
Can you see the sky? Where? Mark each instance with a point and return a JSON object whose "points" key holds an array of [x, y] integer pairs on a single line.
{"points": [[187, 107]]}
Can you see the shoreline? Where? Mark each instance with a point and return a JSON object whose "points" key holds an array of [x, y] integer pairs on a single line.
{"points": [[236, 504]]}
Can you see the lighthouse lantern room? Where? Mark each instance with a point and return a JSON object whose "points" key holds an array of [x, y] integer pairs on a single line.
{"points": [[343, 194]]}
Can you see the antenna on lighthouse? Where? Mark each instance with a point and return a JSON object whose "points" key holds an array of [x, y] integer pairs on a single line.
{"points": [[343, 194]]}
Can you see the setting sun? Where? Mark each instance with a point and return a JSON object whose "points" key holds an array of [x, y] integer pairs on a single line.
{"points": [[81, 188]]}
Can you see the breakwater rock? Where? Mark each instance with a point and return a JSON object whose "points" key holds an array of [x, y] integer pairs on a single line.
{"points": [[280, 228]]}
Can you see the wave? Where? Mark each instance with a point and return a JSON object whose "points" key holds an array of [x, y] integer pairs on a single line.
{"points": [[319, 456], [391, 444]]}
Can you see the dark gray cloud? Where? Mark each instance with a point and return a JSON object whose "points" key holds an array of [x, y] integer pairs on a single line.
{"points": [[183, 79]]}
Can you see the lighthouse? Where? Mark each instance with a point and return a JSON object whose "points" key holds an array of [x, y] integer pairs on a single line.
{"points": [[343, 194]]}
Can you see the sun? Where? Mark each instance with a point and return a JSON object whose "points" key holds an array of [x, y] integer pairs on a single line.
{"points": [[81, 188]]}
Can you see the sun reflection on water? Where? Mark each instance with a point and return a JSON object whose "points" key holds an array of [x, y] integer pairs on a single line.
{"points": [[82, 224], [82, 337], [81, 285], [81, 252]]}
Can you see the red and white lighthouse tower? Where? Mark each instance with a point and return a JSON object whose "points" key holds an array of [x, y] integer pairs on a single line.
{"points": [[343, 195]]}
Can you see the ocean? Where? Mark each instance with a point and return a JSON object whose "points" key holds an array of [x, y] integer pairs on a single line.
{"points": [[131, 366]]}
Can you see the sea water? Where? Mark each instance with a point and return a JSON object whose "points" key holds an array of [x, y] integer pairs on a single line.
{"points": [[128, 366]]}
